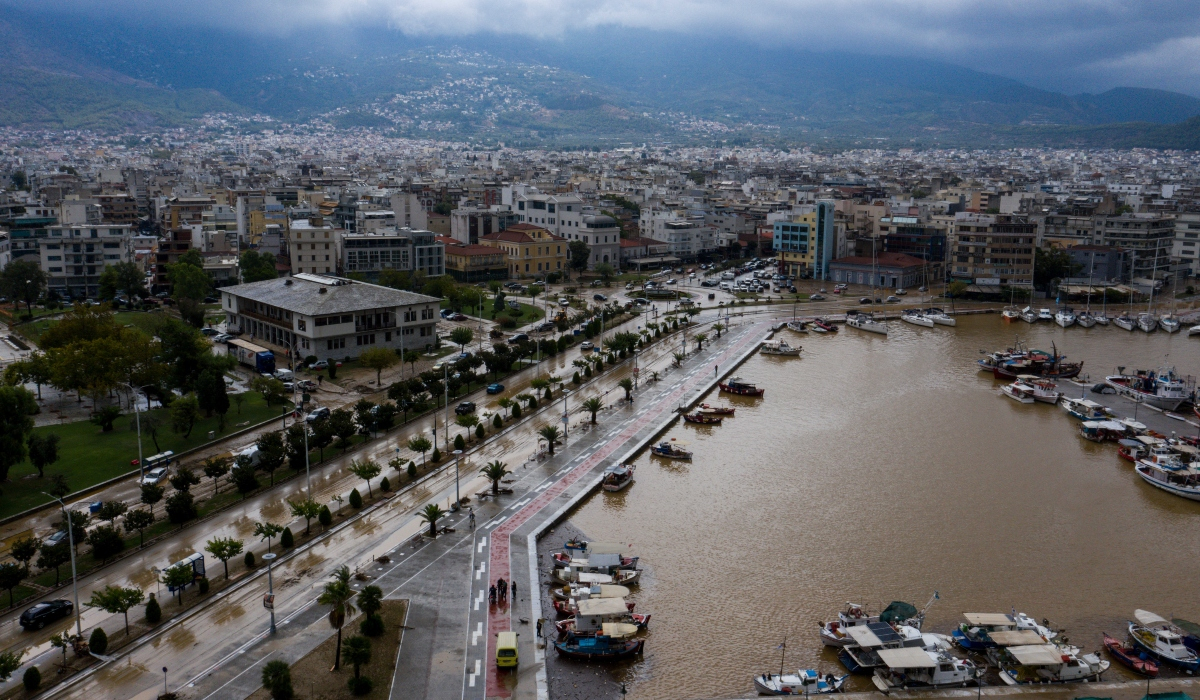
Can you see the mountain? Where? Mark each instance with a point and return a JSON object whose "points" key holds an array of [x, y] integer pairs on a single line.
{"points": [[77, 71]]}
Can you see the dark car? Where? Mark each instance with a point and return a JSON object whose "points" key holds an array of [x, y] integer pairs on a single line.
{"points": [[599, 297], [464, 408], [495, 388], [41, 614], [519, 337], [865, 300]]}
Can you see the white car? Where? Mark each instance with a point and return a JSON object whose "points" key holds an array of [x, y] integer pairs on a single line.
{"points": [[587, 345], [154, 476]]}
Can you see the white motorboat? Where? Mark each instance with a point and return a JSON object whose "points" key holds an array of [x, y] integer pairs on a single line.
{"points": [[1018, 392], [1084, 409], [1161, 388], [866, 322], [916, 318], [779, 347], [617, 477], [1154, 635], [1085, 319], [1146, 322], [1045, 315], [1010, 314], [1170, 476], [908, 667], [1028, 315], [975, 633], [1065, 317], [940, 317], [797, 326], [1169, 324], [1194, 330], [1030, 388], [1125, 321], [1049, 663], [802, 682], [862, 654], [833, 633]]}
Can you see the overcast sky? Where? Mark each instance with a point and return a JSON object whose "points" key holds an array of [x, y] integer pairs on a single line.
{"points": [[1068, 45]]}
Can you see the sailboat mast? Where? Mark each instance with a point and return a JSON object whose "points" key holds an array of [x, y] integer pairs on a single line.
{"points": [[782, 654]]}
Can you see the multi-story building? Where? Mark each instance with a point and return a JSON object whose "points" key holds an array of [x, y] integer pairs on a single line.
{"points": [[1066, 230], [5, 249], [559, 214], [73, 257], [183, 211], [329, 317], [529, 250], [886, 270], [474, 263], [117, 209], [1149, 238], [602, 234], [805, 242], [913, 239], [1099, 263], [391, 249], [991, 251], [468, 223], [1187, 241], [314, 246], [173, 244]]}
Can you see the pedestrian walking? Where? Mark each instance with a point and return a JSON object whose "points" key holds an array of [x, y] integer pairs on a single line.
{"points": [[514, 590], [539, 627], [492, 593], [471, 517]]}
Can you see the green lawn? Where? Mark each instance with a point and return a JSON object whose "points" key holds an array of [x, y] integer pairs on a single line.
{"points": [[528, 313], [143, 320], [88, 456]]}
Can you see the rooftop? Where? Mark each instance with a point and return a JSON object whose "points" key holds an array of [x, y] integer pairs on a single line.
{"points": [[316, 295]]}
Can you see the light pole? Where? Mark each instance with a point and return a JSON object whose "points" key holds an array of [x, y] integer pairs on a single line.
{"points": [[270, 602], [295, 385], [446, 416], [70, 523], [566, 418], [137, 410], [457, 498], [165, 691]]}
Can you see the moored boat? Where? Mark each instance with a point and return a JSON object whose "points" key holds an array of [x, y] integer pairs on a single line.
{"points": [[865, 322], [1146, 322], [735, 385], [779, 347], [1033, 388], [1085, 319], [1125, 321], [1084, 409], [1161, 388], [908, 668], [1049, 663], [671, 449], [975, 633], [1065, 317], [1028, 315], [1103, 430], [797, 326], [1191, 633], [802, 682], [916, 318], [1130, 657], [833, 633], [718, 410], [617, 477], [1169, 324], [598, 647], [1162, 639], [1183, 481], [1045, 315], [1010, 314], [702, 418], [824, 326], [940, 317], [1018, 392]]}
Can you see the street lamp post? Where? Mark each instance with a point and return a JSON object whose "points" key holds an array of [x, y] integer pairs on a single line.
{"points": [[446, 417], [270, 557], [457, 498], [74, 579], [566, 418], [295, 385], [137, 410]]}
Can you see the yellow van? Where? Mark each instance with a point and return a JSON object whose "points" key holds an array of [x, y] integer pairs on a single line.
{"points": [[506, 649]]}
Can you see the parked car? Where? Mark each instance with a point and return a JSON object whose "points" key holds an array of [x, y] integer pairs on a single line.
{"points": [[464, 408], [307, 385], [514, 305], [817, 297], [57, 537], [519, 337], [892, 299], [446, 313], [562, 301], [599, 297], [154, 476], [587, 345], [545, 327], [865, 300], [671, 281], [642, 301], [319, 365], [317, 414], [495, 388], [901, 292], [458, 317], [46, 612], [222, 338], [209, 331]]}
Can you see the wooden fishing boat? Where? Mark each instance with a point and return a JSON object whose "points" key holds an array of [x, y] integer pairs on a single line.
{"points": [[671, 449], [598, 647], [617, 477], [1154, 635], [718, 410], [572, 624], [735, 385], [702, 418], [1129, 657]]}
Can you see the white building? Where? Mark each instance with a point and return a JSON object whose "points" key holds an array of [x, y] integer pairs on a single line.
{"points": [[314, 246], [73, 257], [602, 235], [1187, 241], [403, 249]]}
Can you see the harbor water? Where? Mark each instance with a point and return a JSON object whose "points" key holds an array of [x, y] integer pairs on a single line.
{"points": [[879, 469]]}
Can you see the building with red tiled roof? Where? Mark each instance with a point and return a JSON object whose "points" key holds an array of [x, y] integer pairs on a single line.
{"points": [[530, 251]]}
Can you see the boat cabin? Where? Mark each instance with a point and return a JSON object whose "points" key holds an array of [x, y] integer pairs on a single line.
{"points": [[916, 667], [592, 613], [1048, 663]]}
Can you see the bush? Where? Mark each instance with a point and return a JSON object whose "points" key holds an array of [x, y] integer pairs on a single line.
{"points": [[277, 679], [98, 642], [506, 322], [587, 371], [153, 611], [516, 411], [575, 378], [459, 443], [325, 517], [248, 560], [310, 359], [203, 585], [286, 539], [332, 369], [436, 456], [371, 626], [385, 485], [411, 470], [497, 422], [32, 679], [480, 432], [359, 686], [355, 499]]}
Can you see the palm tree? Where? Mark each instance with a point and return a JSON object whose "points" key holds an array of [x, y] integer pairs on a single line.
{"points": [[495, 471], [357, 653], [700, 338], [339, 596], [627, 385], [718, 327], [678, 358], [592, 406], [505, 403], [432, 514], [551, 433]]}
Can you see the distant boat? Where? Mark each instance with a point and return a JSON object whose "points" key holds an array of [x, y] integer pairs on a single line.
{"points": [[1049, 663], [802, 682], [1146, 322], [1084, 409], [617, 477], [1162, 639], [671, 449], [1162, 388], [1125, 321], [1169, 324], [917, 318], [1028, 389], [598, 648], [1045, 315], [1010, 313], [702, 418], [940, 317], [779, 347], [736, 385], [820, 325], [1028, 315], [1065, 317], [866, 322], [1085, 319], [1129, 657]]}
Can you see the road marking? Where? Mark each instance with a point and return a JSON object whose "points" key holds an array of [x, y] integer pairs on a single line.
{"points": [[579, 458], [474, 674], [482, 542], [496, 522], [518, 504], [479, 599], [482, 568], [478, 630], [543, 487]]}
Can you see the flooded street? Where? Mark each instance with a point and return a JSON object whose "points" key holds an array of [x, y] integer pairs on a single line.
{"points": [[879, 469]]}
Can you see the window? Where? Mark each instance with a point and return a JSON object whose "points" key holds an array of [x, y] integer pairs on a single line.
{"points": [[56, 269], [54, 257], [301, 324], [335, 344]]}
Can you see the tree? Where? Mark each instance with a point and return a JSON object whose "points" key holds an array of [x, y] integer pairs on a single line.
{"points": [[78, 521], [412, 357], [17, 407], [420, 443], [396, 279], [111, 510], [185, 411], [956, 288], [124, 277], [271, 452], [325, 517], [149, 426], [377, 359], [24, 550], [177, 577], [151, 494], [43, 451], [357, 652], [211, 394], [341, 421], [370, 600], [277, 679], [578, 253], [307, 509], [272, 389], [34, 369], [137, 521], [224, 549], [62, 640], [11, 576], [117, 599], [364, 416], [267, 531], [54, 556], [467, 421], [106, 542], [98, 642], [606, 272], [700, 338], [181, 508], [105, 417], [432, 514], [1051, 264], [322, 435], [592, 406], [256, 266], [214, 469], [366, 470], [495, 471], [189, 281], [462, 337], [552, 434], [23, 280], [10, 661], [627, 384], [718, 327], [184, 479], [339, 596], [296, 439]]}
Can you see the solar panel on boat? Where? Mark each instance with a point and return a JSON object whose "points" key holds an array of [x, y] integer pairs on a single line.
{"points": [[884, 631]]}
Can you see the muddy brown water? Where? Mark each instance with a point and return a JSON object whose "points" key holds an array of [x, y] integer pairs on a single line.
{"points": [[879, 469]]}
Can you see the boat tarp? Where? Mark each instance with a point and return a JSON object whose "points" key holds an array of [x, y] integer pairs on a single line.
{"points": [[606, 548], [1125, 442], [863, 636], [612, 591], [1148, 618], [907, 657], [898, 611], [1148, 440], [602, 606], [1013, 638], [1037, 655], [588, 577], [619, 630], [989, 619]]}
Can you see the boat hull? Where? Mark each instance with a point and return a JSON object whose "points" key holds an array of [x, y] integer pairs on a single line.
{"points": [[922, 321], [741, 391], [612, 652], [1190, 666], [1129, 657], [1190, 494]]}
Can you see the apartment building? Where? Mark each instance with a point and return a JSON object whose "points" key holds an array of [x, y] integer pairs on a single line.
{"points": [[469, 223], [73, 257], [805, 242], [329, 317], [314, 246], [1186, 246], [474, 263], [529, 250], [993, 250], [173, 244], [403, 249], [1149, 238], [183, 211]]}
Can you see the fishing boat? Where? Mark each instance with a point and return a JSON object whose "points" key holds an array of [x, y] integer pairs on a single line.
{"points": [[1191, 630], [1048, 365], [1065, 317], [617, 477], [600, 647], [588, 591], [940, 317], [1161, 388], [702, 418], [737, 386], [833, 633], [797, 326], [907, 667], [602, 554], [593, 624], [1103, 430], [671, 449], [1045, 315], [589, 573], [1130, 657], [917, 318], [862, 656], [1183, 481], [1084, 409], [1162, 639], [1133, 449], [718, 410], [1028, 315], [820, 325], [975, 633], [1125, 321], [779, 347], [1018, 392], [1036, 388], [802, 682], [1049, 663], [1146, 322], [865, 322]]}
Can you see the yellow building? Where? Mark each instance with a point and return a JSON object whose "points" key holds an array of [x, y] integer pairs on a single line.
{"points": [[529, 250]]}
